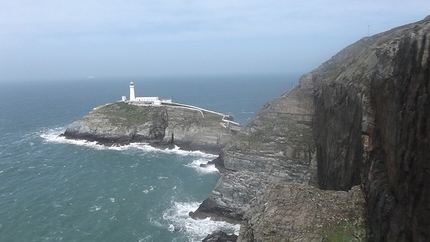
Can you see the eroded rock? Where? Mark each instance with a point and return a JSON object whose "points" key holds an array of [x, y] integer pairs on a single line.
{"points": [[162, 126], [219, 236], [361, 118], [293, 212]]}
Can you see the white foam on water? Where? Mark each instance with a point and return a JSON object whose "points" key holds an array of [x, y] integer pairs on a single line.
{"points": [[151, 188], [243, 111], [176, 150], [178, 221], [95, 208], [143, 239], [53, 136], [197, 165]]}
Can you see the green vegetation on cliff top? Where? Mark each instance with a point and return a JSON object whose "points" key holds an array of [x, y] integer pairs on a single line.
{"points": [[126, 114]]}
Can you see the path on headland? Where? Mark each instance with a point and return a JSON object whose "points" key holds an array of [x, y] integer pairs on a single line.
{"points": [[231, 124], [201, 110]]}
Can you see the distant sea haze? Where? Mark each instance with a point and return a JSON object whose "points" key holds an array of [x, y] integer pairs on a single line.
{"points": [[56, 189]]}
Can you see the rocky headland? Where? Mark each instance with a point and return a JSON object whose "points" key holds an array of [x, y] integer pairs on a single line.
{"points": [[343, 156], [161, 126]]}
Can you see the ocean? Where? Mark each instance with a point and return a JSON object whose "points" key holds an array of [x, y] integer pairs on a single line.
{"points": [[53, 189]]}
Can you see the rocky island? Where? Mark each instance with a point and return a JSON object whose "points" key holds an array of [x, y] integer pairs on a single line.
{"points": [[343, 156], [161, 123]]}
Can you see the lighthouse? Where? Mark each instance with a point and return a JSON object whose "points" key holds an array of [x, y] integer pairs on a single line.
{"points": [[132, 96], [143, 100]]}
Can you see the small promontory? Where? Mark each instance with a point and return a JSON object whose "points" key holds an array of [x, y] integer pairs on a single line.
{"points": [[162, 125]]}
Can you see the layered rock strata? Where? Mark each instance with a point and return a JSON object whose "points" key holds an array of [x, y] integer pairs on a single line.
{"points": [[219, 236], [162, 126], [372, 127], [361, 118], [276, 147], [291, 212]]}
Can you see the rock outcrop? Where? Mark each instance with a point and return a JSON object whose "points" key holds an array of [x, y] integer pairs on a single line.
{"points": [[372, 127], [219, 236], [275, 147], [161, 126], [282, 215], [361, 118]]}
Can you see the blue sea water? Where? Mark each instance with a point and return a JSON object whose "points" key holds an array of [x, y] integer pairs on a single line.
{"points": [[52, 189]]}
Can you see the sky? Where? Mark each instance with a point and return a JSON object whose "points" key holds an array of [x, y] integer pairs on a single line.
{"points": [[75, 39]]}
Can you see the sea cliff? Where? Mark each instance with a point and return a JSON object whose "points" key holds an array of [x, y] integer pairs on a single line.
{"points": [[343, 156], [159, 125]]}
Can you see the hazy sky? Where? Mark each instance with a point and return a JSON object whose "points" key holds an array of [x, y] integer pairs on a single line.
{"points": [[67, 39]]}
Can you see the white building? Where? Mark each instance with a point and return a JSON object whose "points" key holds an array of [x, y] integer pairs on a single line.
{"points": [[143, 100], [132, 96], [149, 100]]}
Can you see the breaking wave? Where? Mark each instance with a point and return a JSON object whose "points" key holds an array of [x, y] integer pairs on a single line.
{"points": [[201, 166], [177, 220], [53, 136]]}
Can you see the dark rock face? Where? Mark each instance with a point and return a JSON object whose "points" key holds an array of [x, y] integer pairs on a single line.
{"points": [[397, 180], [337, 132], [219, 236], [162, 126], [361, 118], [372, 118]]}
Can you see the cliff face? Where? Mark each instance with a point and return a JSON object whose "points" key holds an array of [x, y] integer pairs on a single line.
{"points": [[275, 147], [278, 147], [372, 120], [397, 181], [119, 123], [361, 118], [123, 123]]}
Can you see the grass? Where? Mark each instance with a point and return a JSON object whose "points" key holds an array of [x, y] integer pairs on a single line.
{"points": [[347, 231], [126, 114]]}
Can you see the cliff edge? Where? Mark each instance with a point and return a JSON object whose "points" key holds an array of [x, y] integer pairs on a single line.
{"points": [[354, 131], [372, 127]]}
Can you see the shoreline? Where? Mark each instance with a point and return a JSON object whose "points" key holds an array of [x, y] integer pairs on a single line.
{"points": [[155, 144]]}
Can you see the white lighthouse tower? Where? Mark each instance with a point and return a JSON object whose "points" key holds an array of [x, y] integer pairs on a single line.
{"points": [[132, 95]]}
